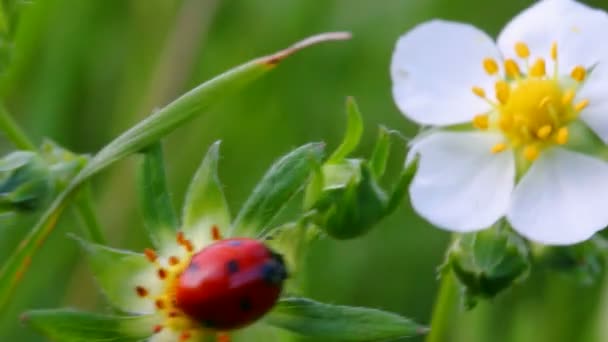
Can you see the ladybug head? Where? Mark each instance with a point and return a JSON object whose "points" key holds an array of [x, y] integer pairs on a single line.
{"points": [[274, 270]]}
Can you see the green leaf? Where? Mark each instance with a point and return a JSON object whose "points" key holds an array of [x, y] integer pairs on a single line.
{"points": [[154, 198], [380, 155], [280, 183], [354, 130], [67, 325], [308, 318], [205, 204], [400, 189], [143, 134], [118, 273]]}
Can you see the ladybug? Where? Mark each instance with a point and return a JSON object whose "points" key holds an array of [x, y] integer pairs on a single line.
{"points": [[230, 283]]}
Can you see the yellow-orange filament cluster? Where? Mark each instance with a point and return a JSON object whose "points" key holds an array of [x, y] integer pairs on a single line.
{"points": [[530, 108], [168, 271]]}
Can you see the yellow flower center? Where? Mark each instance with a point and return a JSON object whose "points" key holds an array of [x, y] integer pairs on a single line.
{"points": [[168, 271], [532, 109]]}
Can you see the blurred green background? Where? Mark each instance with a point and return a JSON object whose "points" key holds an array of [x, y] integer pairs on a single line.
{"points": [[84, 71]]}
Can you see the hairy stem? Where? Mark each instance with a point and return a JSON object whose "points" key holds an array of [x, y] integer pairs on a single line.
{"points": [[443, 310]]}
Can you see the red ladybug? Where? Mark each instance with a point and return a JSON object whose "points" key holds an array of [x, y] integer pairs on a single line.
{"points": [[231, 283]]}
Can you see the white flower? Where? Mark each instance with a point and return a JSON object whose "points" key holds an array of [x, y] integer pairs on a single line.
{"points": [[522, 96]]}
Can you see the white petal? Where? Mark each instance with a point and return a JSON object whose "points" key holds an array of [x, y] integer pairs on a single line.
{"points": [[595, 89], [577, 29], [562, 198], [460, 184], [433, 69]]}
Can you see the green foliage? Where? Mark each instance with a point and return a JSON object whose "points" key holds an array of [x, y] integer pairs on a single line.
{"points": [[313, 319], [118, 273], [344, 196], [205, 204], [155, 202], [144, 133], [74, 326], [28, 180], [281, 182], [585, 262]]}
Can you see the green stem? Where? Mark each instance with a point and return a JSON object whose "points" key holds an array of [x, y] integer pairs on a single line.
{"points": [[13, 131], [444, 309], [84, 207]]}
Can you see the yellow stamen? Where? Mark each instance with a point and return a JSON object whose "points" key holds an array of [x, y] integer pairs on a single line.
{"points": [[502, 91], [505, 123], [544, 102], [499, 148], [522, 50], [481, 121], [554, 51], [568, 97], [562, 136], [531, 152], [538, 68], [578, 73], [490, 65], [479, 92], [581, 105], [512, 69], [544, 131]]}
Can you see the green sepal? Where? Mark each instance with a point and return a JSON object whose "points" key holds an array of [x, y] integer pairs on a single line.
{"points": [[354, 131], [351, 210], [309, 318], [344, 197], [118, 273], [280, 183], [205, 204], [400, 189], [68, 325], [25, 181], [290, 241], [155, 200], [29, 179], [488, 262], [379, 157], [584, 262]]}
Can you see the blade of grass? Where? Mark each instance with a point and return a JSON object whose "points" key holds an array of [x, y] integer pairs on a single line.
{"points": [[138, 137]]}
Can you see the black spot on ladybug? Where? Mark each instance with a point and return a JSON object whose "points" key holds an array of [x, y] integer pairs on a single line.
{"points": [[232, 266], [245, 304], [273, 272], [234, 243]]}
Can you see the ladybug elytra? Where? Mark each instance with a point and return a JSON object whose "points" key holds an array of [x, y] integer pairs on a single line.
{"points": [[230, 283]]}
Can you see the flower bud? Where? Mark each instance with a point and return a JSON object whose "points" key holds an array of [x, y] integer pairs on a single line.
{"points": [[585, 262], [351, 201], [344, 193], [28, 179], [24, 181], [488, 262]]}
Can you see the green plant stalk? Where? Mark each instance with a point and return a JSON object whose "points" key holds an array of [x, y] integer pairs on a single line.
{"points": [[444, 309], [85, 208], [13, 132], [146, 132]]}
